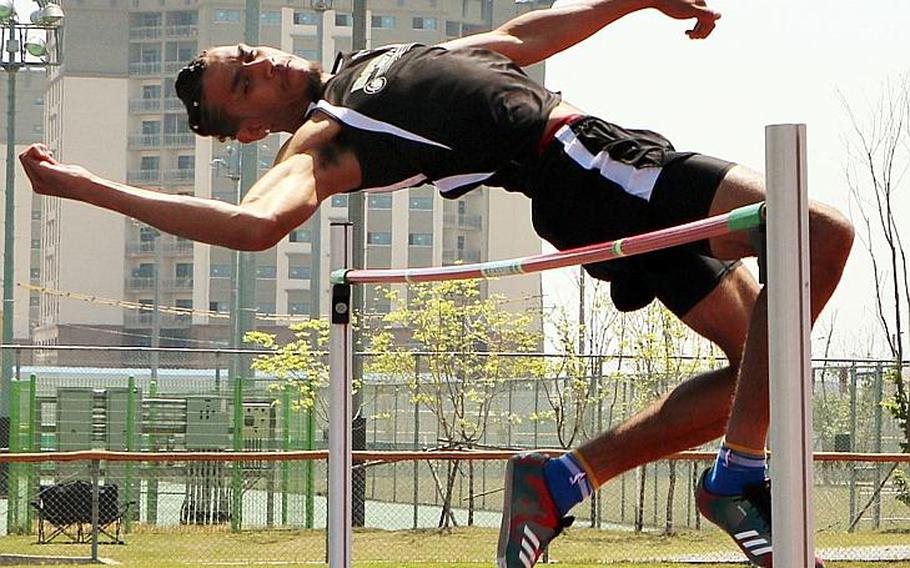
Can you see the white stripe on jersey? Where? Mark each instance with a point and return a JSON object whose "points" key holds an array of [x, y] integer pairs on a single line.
{"points": [[447, 184], [357, 120], [634, 181]]}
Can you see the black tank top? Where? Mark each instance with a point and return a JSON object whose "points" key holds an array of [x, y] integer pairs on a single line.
{"points": [[415, 114]]}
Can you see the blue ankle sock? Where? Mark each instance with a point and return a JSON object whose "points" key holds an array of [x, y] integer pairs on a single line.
{"points": [[734, 470], [568, 482]]}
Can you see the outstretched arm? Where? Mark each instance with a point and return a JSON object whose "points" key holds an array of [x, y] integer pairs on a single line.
{"points": [[284, 198], [536, 35]]}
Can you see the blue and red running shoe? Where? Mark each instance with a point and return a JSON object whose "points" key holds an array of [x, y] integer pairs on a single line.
{"points": [[746, 518], [529, 516]]}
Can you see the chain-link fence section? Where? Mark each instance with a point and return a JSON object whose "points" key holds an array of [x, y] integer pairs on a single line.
{"points": [[430, 510]]}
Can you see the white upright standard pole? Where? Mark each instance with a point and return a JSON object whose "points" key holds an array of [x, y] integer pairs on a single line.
{"points": [[340, 363], [789, 347]]}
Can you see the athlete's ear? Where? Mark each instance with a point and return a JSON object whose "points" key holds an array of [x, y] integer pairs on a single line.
{"points": [[251, 132]]}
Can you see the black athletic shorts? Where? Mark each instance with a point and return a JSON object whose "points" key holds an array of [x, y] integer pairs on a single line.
{"points": [[597, 182]]}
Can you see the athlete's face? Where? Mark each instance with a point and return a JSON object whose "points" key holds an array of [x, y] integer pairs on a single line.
{"points": [[264, 89]]}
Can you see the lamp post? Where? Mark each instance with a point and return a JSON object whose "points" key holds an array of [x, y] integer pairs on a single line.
{"points": [[34, 44]]}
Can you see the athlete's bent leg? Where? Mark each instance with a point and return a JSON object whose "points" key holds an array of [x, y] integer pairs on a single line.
{"points": [[697, 410]]}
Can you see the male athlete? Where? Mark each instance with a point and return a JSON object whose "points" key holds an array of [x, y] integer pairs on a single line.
{"points": [[462, 114]]}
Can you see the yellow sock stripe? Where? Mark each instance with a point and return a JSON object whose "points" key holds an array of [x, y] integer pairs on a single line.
{"points": [[754, 452], [592, 477]]}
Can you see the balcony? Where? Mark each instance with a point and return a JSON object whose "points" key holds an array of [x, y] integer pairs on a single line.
{"points": [[451, 256], [177, 284], [144, 140], [179, 140], [150, 177], [145, 105], [171, 67], [147, 319], [151, 32], [185, 30], [142, 283], [168, 248], [470, 222], [179, 177], [145, 68], [173, 103]]}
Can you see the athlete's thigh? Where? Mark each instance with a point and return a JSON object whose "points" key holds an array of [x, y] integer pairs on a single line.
{"points": [[722, 316], [740, 187]]}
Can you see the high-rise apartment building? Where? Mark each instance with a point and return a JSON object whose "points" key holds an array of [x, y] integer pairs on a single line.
{"points": [[112, 107], [30, 99]]}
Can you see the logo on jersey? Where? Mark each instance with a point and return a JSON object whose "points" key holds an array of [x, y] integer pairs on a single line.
{"points": [[372, 79], [375, 85]]}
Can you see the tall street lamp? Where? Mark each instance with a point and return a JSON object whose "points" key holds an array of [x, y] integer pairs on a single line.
{"points": [[37, 43]]}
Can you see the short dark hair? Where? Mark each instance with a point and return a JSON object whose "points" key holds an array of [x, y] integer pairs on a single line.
{"points": [[204, 120]]}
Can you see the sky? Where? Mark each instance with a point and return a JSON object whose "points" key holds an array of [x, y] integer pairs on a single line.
{"points": [[767, 62]]}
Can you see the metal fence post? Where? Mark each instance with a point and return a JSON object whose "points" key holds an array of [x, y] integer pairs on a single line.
{"points": [[395, 446], [12, 506], [95, 467], [285, 446], [130, 447], [310, 501], [151, 493], [237, 466], [33, 445], [877, 446], [853, 446], [416, 485]]}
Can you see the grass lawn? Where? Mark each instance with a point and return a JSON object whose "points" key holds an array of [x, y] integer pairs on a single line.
{"points": [[460, 548]]}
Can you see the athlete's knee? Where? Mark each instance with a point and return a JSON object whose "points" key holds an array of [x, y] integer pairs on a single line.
{"points": [[831, 237]]}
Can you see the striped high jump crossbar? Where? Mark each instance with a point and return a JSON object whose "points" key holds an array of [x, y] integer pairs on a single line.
{"points": [[787, 223]]}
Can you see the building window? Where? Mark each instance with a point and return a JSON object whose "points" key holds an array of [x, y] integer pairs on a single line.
{"points": [[36, 214], [151, 92], [269, 272], [184, 270], [270, 18], [145, 270], [34, 301], [151, 127], [149, 163], [220, 271], [379, 201], [299, 272], [306, 18], [186, 162], [420, 239], [182, 18], [265, 308], [310, 54], [379, 238], [36, 243], [146, 19], [453, 29], [343, 20], [298, 308], [39, 100], [217, 307], [423, 23], [34, 273], [225, 16], [147, 234], [340, 200], [421, 203], [300, 236], [184, 304], [383, 22]]}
